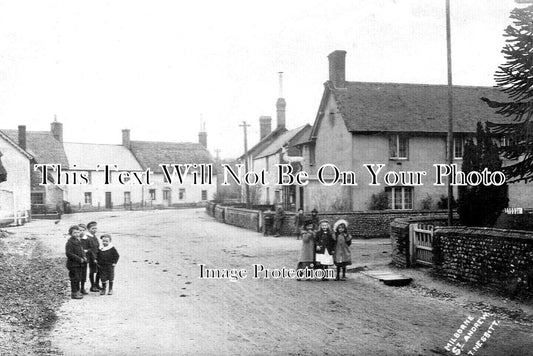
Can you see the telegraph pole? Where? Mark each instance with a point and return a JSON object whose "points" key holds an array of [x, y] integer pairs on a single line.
{"points": [[244, 125], [217, 151], [450, 112]]}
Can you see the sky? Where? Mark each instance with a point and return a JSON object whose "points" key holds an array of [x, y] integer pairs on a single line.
{"points": [[161, 67]]}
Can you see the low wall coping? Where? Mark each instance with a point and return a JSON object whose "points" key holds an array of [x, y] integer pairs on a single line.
{"points": [[487, 231]]}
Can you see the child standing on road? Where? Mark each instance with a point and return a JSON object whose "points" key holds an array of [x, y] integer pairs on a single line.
{"points": [[307, 253], [343, 240], [324, 246], [86, 246], [93, 243], [75, 260], [107, 260]]}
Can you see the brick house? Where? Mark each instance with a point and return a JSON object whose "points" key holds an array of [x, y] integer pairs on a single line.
{"points": [[402, 126]]}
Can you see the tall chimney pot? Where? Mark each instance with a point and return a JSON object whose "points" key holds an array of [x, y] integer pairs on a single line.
{"points": [[126, 141], [337, 69], [22, 136], [202, 135], [56, 128], [280, 112]]}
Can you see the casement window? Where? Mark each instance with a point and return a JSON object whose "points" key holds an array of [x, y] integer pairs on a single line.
{"points": [[127, 198], [204, 194], [88, 198], [181, 194], [400, 198], [152, 194], [458, 147], [398, 147]]}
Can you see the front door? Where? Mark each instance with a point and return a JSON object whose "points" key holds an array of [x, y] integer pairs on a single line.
{"points": [[108, 202], [167, 196]]}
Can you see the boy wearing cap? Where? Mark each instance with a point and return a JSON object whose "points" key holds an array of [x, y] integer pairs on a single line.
{"points": [[75, 260]]}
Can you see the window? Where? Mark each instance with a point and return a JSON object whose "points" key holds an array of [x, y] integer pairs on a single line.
{"points": [[152, 194], [204, 194], [400, 198], [458, 147], [37, 198], [127, 198], [166, 194], [88, 198], [181, 194], [277, 197], [267, 163], [398, 147]]}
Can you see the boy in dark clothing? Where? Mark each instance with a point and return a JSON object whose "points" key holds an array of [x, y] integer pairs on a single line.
{"points": [[75, 260], [107, 260], [91, 254], [85, 243]]}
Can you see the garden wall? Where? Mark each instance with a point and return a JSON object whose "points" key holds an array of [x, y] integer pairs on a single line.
{"points": [[399, 235], [500, 259]]}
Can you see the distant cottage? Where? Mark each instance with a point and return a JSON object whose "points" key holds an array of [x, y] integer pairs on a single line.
{"points": [[83, 158]]}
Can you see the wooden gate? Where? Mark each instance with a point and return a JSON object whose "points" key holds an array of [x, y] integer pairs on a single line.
{"points": [[421, 244]]}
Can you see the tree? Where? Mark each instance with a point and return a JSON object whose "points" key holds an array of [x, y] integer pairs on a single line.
{"points": [[515, 80], [481, 205]]}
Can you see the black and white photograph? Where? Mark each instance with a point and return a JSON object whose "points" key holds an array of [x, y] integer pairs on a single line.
{"points": [[249, 177]]}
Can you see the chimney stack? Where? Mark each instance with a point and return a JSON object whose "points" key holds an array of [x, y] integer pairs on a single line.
{"points": [[57, 129], [337, 69], [202, 136], [126, 141], [22, 136], [280, 104], [265, 126]]}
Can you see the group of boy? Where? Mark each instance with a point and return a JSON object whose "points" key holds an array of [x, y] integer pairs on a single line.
{"points": [[85, 253]]}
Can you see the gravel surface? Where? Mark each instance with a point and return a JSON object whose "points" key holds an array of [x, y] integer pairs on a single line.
{"points": [[32, 287]]}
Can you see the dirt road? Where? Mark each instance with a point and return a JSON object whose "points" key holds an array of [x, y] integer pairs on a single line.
{"points": [[162, 307]]}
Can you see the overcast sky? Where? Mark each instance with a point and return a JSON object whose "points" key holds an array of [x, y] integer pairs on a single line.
{"points": [[157, 67]]}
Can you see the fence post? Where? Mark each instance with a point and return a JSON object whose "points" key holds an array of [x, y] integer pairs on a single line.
{"points": [[411, 249]]}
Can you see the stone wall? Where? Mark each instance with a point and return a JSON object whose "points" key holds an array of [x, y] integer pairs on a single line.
{"points": [[248, 219], [500, 259], [361, 224]]}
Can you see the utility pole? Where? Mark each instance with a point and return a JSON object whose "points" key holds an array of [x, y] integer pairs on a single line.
{"points": [[244, 125], [217, 151], [449, 140]]}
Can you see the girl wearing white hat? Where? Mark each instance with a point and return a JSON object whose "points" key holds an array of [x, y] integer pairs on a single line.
{"points": [[343, 240]]}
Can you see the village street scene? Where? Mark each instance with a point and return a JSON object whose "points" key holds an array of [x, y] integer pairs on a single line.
{"points": [[286, 178]]}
